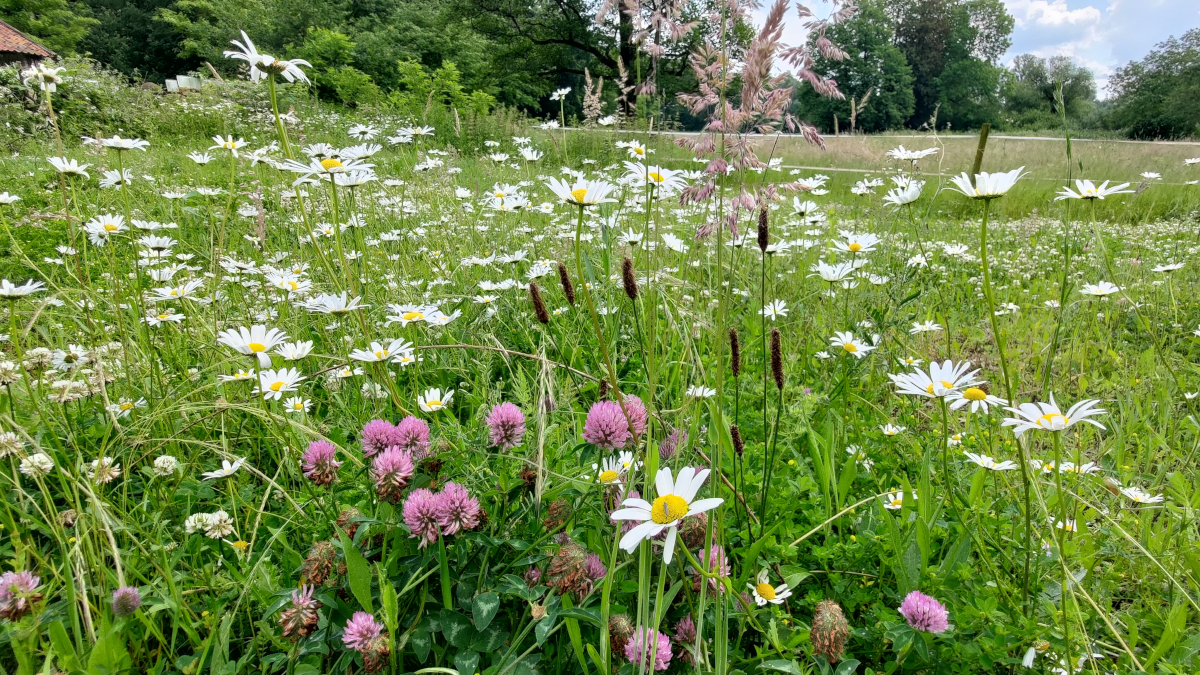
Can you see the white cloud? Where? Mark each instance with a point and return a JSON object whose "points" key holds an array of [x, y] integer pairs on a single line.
{"points": [[1051, 13]]}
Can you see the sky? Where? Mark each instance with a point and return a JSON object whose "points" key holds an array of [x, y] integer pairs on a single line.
{"points": [[1101, 35]]}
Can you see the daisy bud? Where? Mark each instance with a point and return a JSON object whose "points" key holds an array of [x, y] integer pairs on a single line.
{"points": [[735, 352], [628, 278], [565, 280], [738, 445], [539, 305], [764, 230], [777, 358]]}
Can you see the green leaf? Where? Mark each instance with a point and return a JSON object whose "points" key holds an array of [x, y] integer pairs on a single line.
{"points": [[456, 628], [582, 614], [846, 667], [846, 478], [489, 640], [749, 558], [591, 650], [484, 608], [358, 572], [466, 662], [543, 628], [782, 666], [109, 653], [421, 642], [61, 643], [388, 602]]}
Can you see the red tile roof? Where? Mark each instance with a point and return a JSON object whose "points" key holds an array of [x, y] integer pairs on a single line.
{"points": [[13, 40]]}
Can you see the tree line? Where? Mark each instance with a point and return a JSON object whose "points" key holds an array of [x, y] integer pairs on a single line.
{"points": [[906, 63]]}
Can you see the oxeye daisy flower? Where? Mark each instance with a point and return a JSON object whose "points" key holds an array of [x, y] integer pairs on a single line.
{"points": [[227, 143], [974, 397], [989, 463], [379, 352], [272, 384], [774, 309], [336, 305], [102, 227], [11, 291], [907, 194], [926, 327], [263, 65], [200, 158], [893, 501], [1086, 189], [1140, 496], [890, 429], [297, 404], [942, 379], [583, 192], [1048, 416], [764, 592], [227, 469], [118, 143], [433, 399], [1100, 290], [254, 341], [856, 243], [987, 185], [69, 167], [294, 351], [850, 344], [676, 501], [612, 470]]}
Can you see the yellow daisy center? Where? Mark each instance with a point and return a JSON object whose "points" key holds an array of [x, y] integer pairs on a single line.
{"points": [[126, 406], [765, 591], [608, 476], [381, 353], [668, 509], [1050, 419], [163, 317], [297, 406], [579, 194], [109, 227], [433, 403], [655, 176], [947, 385], [240, 545], [330, 164], [974, 394], [855, 247], [850, 347], [640, 151], [898, 501], [293, 285], [257, 347], [229, 145], [174, 292], [413, 316], [276, 386], [500, 195]]}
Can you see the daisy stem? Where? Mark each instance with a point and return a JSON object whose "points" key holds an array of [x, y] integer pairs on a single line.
{"points": [[1008, 390], [1061, 532]]}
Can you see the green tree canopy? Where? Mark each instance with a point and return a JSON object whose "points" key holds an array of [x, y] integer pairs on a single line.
{"points": [[1156, 97], [58, 24]]}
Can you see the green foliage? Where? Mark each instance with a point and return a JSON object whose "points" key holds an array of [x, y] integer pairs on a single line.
{"points": [[1030, 90], [874, 64], [350, 86], [1156, 97], [420, 89], [57, 24], [206, 27]]}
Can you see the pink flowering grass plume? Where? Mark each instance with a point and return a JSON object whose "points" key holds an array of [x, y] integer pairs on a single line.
{"points": [[377, 435], [392, 468], [360, 631], [420, 515], [506, 426], [17, 594], [456, 509], [606, 426], [924, 613], [300, 618], [412, 436], [319, 464], [126, 600], [672, 443], [655, 645]]}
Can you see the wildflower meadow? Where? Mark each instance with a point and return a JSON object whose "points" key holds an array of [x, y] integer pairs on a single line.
{"points": [[293, 388]]}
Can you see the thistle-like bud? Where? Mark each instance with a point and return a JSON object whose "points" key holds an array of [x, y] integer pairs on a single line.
{"points": [[739, 446], [539, 305], [620, 629], [375, 656], [628, 279], [829, 630], [764, 230], [735, 352], [777, 358], [560, 512], [565, 280]]}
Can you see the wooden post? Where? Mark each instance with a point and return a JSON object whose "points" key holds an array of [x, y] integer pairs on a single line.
{"points": [[835, 125]]}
